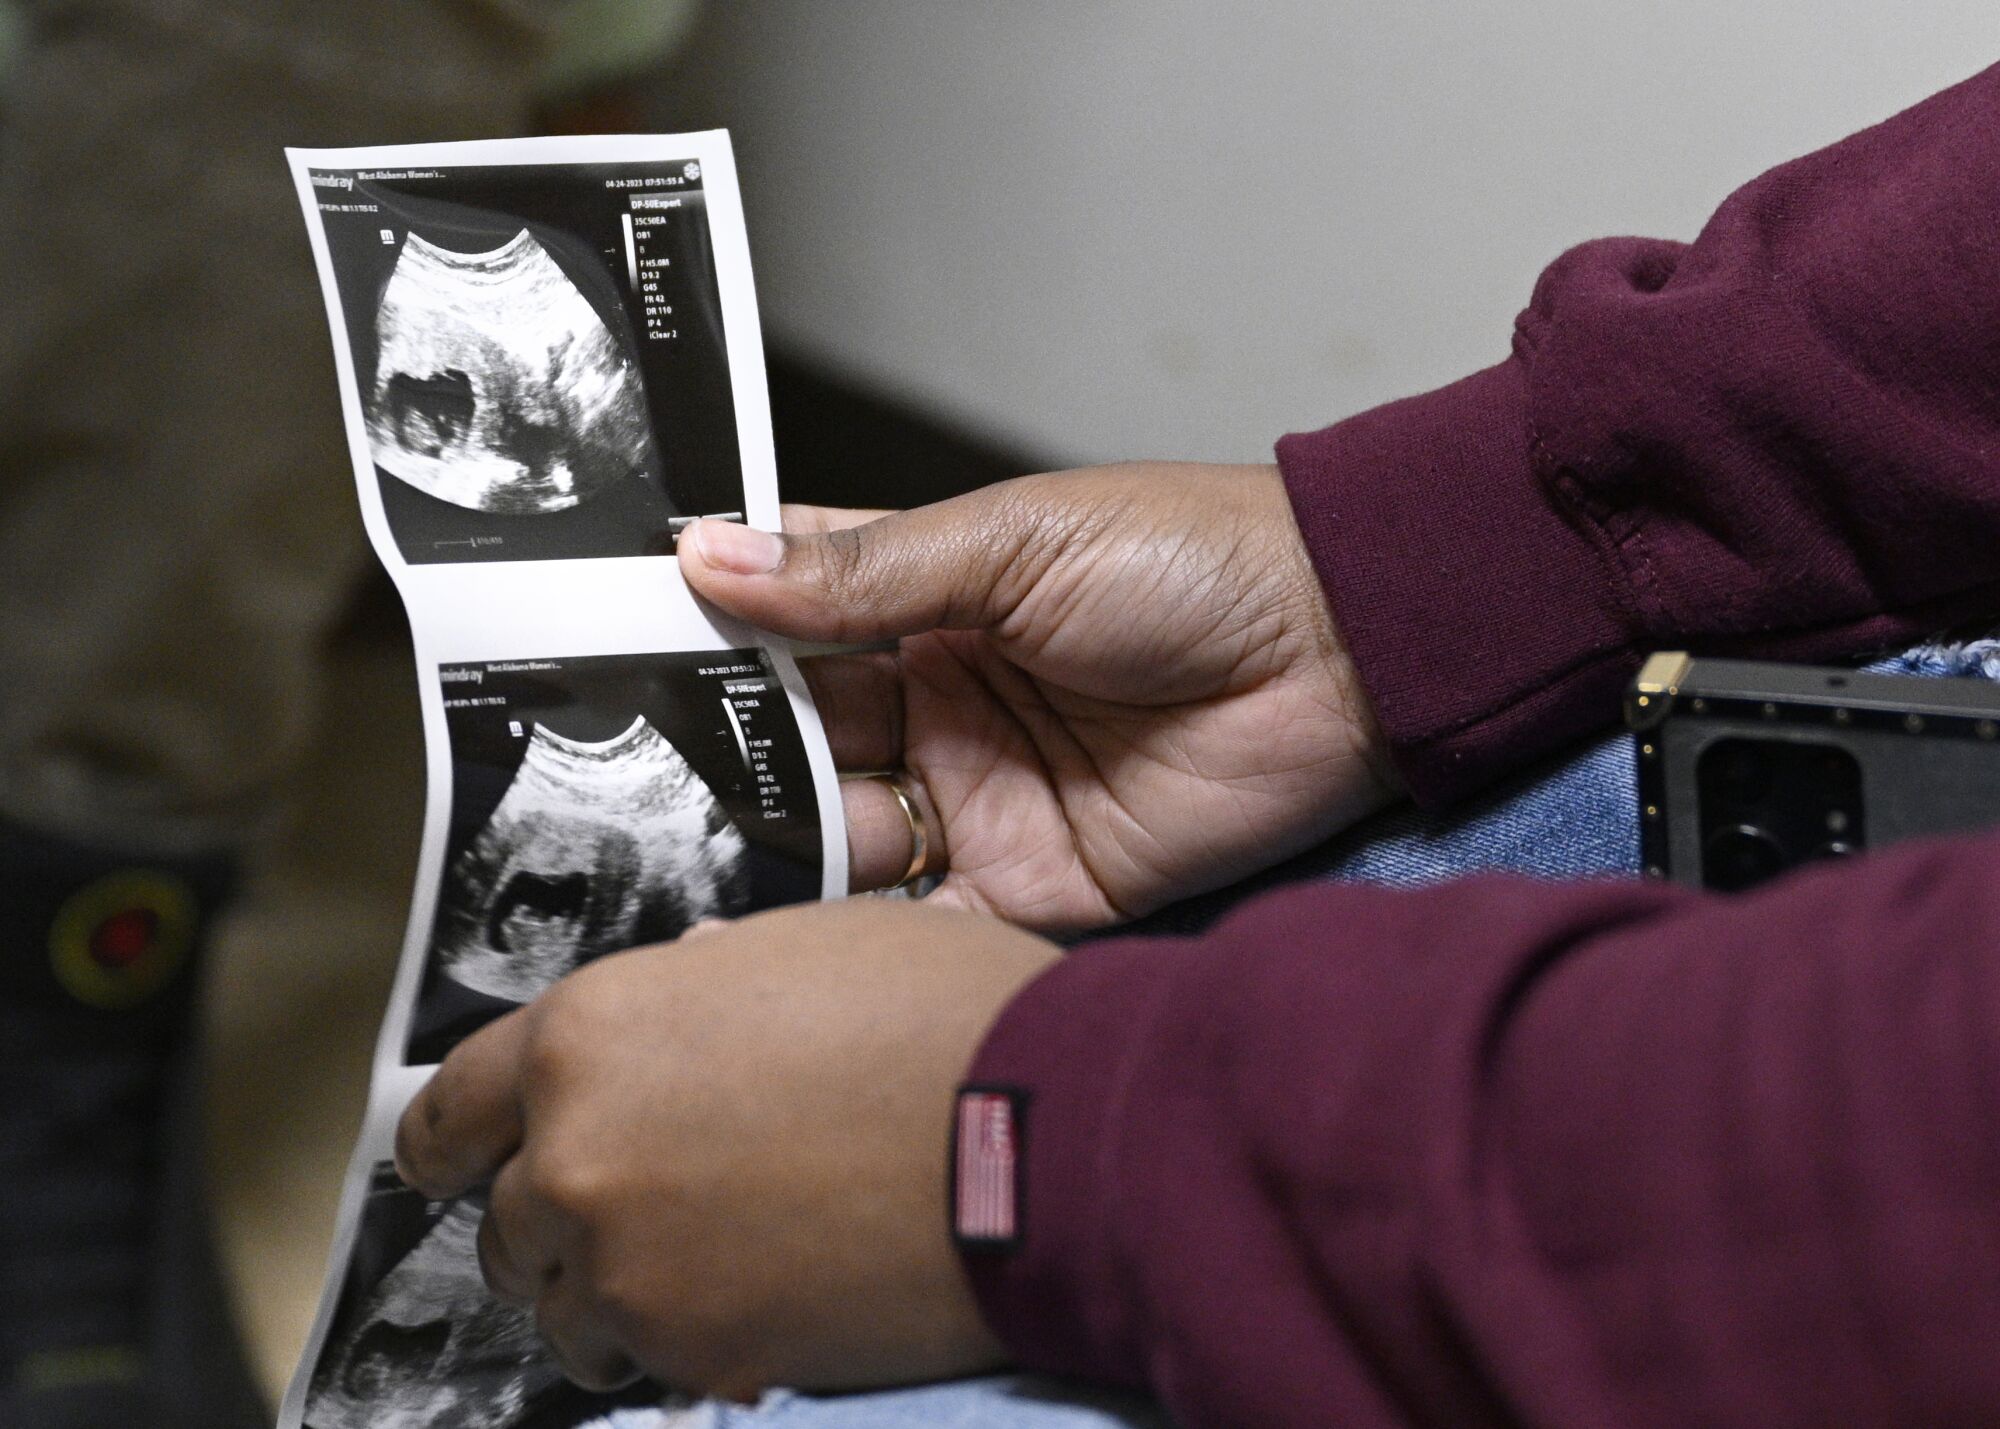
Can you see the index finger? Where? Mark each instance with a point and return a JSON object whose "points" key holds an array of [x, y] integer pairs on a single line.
{"points": [[461, 1128]]}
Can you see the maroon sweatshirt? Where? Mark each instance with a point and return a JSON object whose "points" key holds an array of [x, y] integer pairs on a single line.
{"points": [[1597, 1154]]}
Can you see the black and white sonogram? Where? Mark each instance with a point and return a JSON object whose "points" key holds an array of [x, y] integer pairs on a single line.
{"points": [[417, 1341], [601, 803], [596, 845], [540, 355], [497, 386]]}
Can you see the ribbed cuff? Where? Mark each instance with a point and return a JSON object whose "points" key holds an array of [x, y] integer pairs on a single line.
{"points": [[1061, 1299], [1487, 620]]}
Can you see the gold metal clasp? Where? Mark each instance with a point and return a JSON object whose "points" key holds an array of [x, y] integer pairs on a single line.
{"points": [[1652, 693]]}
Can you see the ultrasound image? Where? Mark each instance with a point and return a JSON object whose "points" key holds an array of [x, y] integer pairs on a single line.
{"points": [[595, 847], [601, 803], [419, 1343], [431, 1346], [497, 386], [538, 355]]}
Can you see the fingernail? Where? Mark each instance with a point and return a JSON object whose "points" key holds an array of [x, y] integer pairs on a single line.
{"points": [[732, 546]]}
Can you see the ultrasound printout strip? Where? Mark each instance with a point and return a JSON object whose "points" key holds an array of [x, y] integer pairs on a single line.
{"points": [[550, 363]]}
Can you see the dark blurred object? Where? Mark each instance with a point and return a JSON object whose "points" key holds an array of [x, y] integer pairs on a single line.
{"points": [[110, 1309], [1747, 769], [840, 444]]}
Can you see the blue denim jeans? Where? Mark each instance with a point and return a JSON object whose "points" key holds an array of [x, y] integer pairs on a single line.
{"points": [[1575, 817]]}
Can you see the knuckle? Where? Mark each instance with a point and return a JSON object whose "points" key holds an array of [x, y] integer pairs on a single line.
{"points": [[570, 1184], [1052, 514], [841, 559], [562, 1037], [1005, 548], [509, 1200]]}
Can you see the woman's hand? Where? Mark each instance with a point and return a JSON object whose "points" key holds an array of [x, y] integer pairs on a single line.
{"points": [[1114, 687], [721, 1161]]}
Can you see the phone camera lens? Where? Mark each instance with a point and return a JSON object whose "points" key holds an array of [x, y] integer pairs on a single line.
{"points": [[1739, 857], [1833, 848]]}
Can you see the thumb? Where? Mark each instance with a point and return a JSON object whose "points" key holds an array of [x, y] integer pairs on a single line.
{"points": [[845, 578]]}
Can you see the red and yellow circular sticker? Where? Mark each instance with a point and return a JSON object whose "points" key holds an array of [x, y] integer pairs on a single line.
{"points": [[119, 940]]}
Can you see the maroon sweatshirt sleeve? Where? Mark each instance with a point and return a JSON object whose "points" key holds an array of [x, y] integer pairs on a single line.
{"points": [[1505, 1153], [1782, 439]]}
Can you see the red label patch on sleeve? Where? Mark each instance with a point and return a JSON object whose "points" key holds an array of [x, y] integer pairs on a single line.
{"points": [[986, 1168]]}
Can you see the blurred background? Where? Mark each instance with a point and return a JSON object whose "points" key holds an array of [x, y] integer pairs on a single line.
{"points": [[988, 239], [1125, 228]]}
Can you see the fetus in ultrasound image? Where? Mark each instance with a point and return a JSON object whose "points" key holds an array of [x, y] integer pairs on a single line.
{"points": [[497, 385], [595, 847], [419, 1343]]}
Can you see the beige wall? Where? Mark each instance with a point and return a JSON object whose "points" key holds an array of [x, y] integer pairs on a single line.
{"points": [[1161, 227]]}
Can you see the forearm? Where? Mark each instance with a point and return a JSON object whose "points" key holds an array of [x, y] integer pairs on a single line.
{"points": [[1509, 1152], [1783, 439]]}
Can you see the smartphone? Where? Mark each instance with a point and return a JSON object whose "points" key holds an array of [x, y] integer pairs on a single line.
{"points": [[1749, 768]]}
